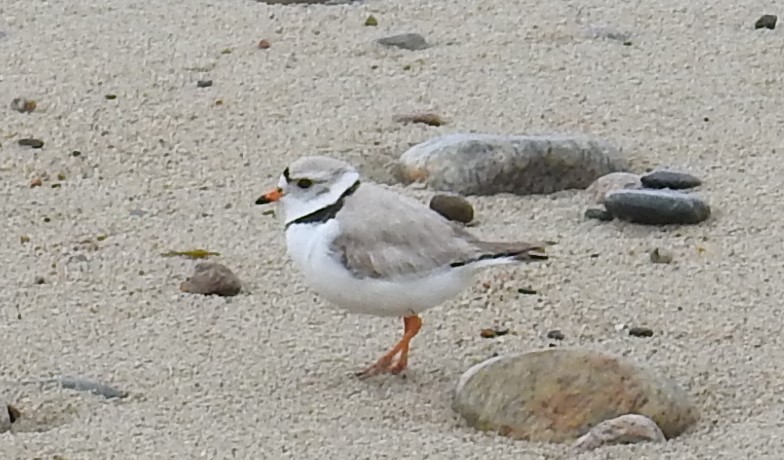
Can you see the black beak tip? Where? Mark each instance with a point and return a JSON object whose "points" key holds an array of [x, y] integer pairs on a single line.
{"points": [[261, 200]]}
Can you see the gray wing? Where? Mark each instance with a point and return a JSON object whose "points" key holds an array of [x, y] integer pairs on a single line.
{"points": [[387, 235]]}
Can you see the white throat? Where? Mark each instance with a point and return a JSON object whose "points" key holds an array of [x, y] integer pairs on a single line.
{"points": [[295, 209]]}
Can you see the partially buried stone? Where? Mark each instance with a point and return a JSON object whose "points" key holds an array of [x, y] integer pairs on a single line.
{"points": [[486, 164], [453, 207], [558, 395], [626, 429], [8, 416], [409, 41], [656, 207], [669, 179], [766, 21], [212, 278], [31, 142], [598, 214], [613, 181]]}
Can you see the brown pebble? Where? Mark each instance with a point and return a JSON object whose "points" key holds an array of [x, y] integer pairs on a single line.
{"points": [[430, 119], [264, 44], [493, 332], [37, 182], [453, 207], [212, 278], [23, 105]]}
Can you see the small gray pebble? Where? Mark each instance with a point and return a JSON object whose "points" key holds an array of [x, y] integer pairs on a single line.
{"points": [[661, 256], [669, 179], [39, 280], [204, 83], [599, 214]]}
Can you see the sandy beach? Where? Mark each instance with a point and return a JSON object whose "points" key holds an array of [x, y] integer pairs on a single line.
{"points": [[162, 164]]}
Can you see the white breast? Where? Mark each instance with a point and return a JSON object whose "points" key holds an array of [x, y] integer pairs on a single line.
{"points": [[309, 248]]}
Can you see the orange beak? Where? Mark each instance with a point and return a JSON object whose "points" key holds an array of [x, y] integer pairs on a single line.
{"points": [[271, 196]]}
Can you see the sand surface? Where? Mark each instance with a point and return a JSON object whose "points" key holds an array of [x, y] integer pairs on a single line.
{"points": [[267, 374]]}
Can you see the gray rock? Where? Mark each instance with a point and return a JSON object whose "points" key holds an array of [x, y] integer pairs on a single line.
{"points": [[626, 429], [486, 164], [766, 21], [80, 384], [656, 207], [669, 179], [559, 394], [212, 278], [613, 181], [608, 33], [410, 41], [453, 207], [661, 256], [598, 214]]}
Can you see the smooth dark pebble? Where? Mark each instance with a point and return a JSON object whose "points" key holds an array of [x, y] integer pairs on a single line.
{"points": [[640, 332], [204, 83], [526, 291], [656, 207], [767, 21], [556, 334], [111, 97], [31, 142], [669, 179], [39, 280]]}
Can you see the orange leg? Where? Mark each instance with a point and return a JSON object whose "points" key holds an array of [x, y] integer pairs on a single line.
{"points": [[385, 365]]}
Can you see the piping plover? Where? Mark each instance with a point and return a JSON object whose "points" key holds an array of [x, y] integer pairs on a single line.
{"points": [[370, 250]]}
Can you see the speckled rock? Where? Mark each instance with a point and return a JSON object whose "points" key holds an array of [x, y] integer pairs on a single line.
{"points": [[409, 41], [453, 207], [212, 278], [486, 164], [613, 181], [669, 179], [626, 429], [558, 395], [656, 207]]}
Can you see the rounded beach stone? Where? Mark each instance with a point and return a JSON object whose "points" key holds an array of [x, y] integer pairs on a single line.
{"points": [[656, 207], [669, 179], [486, 164], [212, 278], [453, 207], [558, 395], [626, 429], [613, 181]]}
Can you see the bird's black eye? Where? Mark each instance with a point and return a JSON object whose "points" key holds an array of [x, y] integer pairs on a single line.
{"points": [[304, 183]]}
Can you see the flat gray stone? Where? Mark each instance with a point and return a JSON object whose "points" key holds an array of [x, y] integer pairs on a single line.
{"points": [[410, 41], [560, 394], [669, 179], [657, 207], [487, 164]]}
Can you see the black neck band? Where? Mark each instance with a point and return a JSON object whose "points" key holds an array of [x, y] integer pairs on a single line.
{"points": [[328, 212]]}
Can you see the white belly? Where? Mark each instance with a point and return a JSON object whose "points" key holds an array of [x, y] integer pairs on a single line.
{"points": [[308, 247]]}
